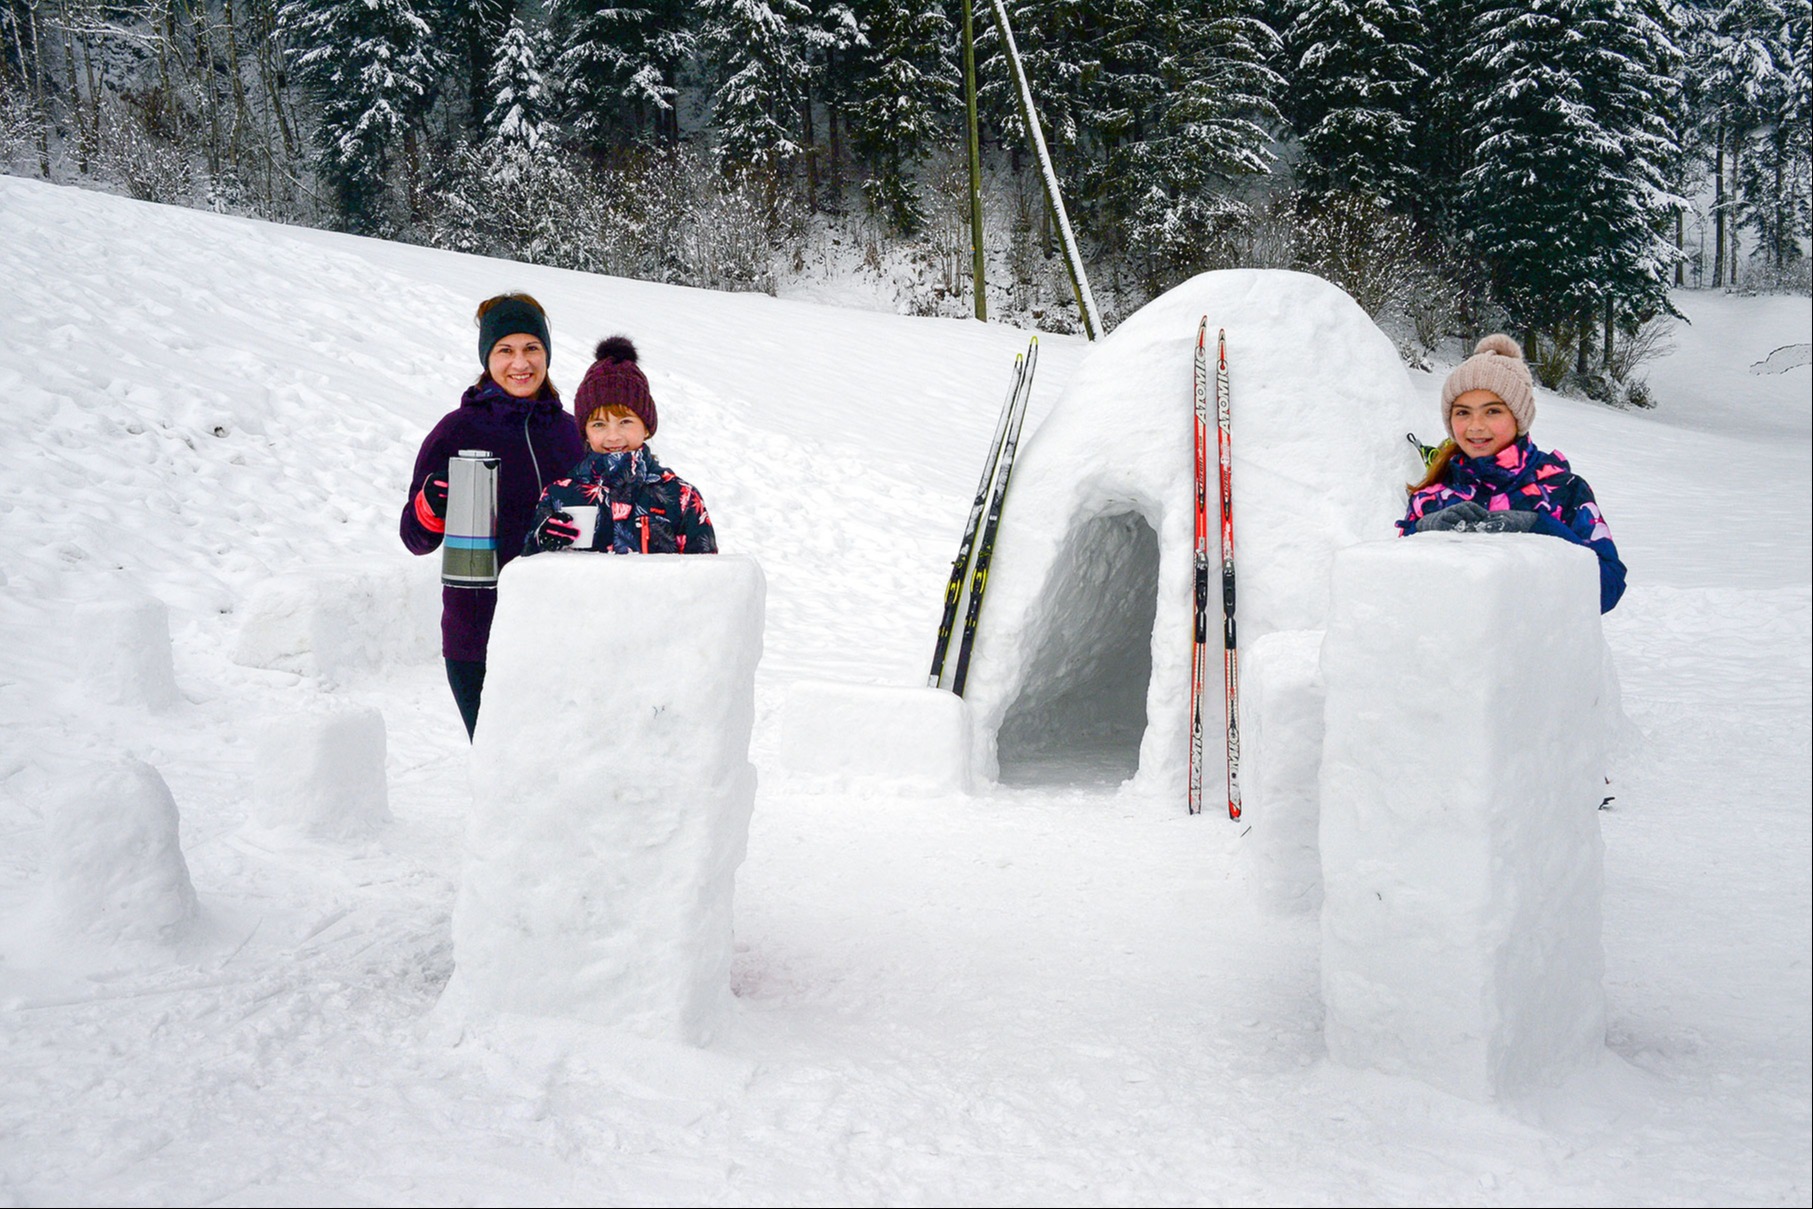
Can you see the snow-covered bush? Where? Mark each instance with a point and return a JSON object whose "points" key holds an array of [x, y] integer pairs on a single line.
{"points": [[1364, 247], [150, 168], [496, 199], [18, 124]]}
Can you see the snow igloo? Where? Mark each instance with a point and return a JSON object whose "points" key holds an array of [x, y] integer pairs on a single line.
{"points": [[1081, 668]]}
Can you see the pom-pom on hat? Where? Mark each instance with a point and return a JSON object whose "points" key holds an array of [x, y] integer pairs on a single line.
{"points": [[615, 381], [1496, 365]]}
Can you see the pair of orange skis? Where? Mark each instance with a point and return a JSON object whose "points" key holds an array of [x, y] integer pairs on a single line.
{"points": [[1199, 666]]}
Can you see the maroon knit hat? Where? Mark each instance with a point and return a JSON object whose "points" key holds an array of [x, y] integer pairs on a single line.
{"points": [[614, 381]]}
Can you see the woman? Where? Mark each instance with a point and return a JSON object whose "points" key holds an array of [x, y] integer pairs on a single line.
{"points": [[514, 412]]}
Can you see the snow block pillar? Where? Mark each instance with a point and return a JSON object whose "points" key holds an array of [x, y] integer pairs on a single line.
{"points": [[612, 792], [1281, 693], [124, 646], [321, 772], [1461, 774]]}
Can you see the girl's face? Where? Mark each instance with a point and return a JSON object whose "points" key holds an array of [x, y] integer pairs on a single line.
{"points": [[1482, 423], [615, 431], [519, 364]]}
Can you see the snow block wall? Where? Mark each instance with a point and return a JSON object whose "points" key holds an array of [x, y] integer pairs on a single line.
{"points": [[911, 739], [321, 773], [113, 860], [334, 622], [1461, 776], [1084, 643], [612, 792]]}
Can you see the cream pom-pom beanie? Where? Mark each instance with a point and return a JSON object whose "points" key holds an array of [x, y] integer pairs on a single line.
{"points": [[1496, 365]]}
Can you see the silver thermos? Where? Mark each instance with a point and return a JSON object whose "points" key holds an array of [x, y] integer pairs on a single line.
{"points": [[469, 546]]}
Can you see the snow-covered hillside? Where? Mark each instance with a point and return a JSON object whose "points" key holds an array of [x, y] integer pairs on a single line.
{"points": [[1027, 995]]}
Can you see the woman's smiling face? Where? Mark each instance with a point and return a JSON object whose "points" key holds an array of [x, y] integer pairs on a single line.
{"points": [[519, 364]]}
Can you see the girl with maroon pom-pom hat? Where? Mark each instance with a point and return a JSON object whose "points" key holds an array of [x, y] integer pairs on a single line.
{"points": [[641, 506]]}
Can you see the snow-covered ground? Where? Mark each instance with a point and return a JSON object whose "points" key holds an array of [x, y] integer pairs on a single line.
{"points": [[1029, 995]]}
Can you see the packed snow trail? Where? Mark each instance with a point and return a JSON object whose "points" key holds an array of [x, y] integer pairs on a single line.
{"points": [[1030, 995]]}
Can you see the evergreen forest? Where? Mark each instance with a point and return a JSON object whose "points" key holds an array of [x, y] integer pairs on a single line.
{"points": [[1551, 166]]}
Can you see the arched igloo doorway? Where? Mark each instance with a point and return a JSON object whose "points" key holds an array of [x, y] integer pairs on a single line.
{"points": [[1081, 710]]}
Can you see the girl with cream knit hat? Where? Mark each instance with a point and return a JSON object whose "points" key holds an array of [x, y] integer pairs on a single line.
{"points": [[1489, 477]]}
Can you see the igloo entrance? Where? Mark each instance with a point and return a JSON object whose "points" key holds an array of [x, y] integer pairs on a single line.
{"points": [[1081, 710]]}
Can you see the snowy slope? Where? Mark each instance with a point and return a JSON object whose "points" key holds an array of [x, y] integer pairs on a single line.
{"points": [[1030, 995]]}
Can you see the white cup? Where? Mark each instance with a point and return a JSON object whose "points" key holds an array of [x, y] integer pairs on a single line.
{"points": [[586, 517]]}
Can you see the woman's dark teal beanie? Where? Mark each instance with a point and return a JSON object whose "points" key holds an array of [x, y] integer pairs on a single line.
{"points": [[508, 317]]}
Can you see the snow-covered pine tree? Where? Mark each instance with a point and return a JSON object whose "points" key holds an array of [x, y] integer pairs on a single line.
{"points": [[1057, 44], [1792, 146], [520, 120], [1359, 68], [372, 68], [618, 69], [763, 52], [1442, 110], [512, 194], [1565, 197], [1634, 83], [1742, 69], [1753, 79], [1211, 122], [903, 96], [470, 31]]}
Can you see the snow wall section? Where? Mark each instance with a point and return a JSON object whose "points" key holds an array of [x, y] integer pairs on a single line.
{"points": [[612, 792], [1081, 668]]}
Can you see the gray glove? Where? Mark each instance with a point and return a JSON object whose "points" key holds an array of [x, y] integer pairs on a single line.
{"points": [[1507, 522], [1456, 518]]}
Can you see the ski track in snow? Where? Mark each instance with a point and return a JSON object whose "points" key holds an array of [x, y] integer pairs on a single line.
{"points": [[1028, 996]]}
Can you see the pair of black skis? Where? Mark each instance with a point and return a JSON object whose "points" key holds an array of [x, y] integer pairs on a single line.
{"points": [[991, 493]]}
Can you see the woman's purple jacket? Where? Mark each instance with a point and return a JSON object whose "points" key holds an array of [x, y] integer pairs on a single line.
{"points": [[535, 441]]}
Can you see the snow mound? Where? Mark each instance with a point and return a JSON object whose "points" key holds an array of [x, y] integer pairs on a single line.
{"points": [[113, 862], [321, 772], [1783, 359], [1083, 644], [612, 793], [906, 739], [1461, 858]]}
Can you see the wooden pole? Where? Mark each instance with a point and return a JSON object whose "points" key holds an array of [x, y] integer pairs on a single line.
{"points": [[1073, 260]]}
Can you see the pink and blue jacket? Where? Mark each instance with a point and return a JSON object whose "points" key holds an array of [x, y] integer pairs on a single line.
{"points": [[1521, 477]]}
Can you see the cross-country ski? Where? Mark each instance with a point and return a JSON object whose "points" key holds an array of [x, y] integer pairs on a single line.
{"points": [[960, 566], [1230, 658], [991, 528]]}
